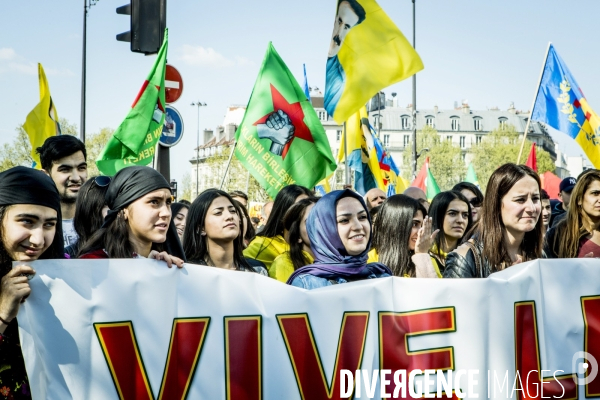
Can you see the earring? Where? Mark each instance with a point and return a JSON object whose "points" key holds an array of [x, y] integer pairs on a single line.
{"points": [[203, 233]]}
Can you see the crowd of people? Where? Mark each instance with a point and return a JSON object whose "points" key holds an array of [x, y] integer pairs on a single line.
{"points": [[306, 241]]}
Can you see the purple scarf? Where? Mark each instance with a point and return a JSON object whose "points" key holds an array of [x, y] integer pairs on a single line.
{"points": [[331, 259]]}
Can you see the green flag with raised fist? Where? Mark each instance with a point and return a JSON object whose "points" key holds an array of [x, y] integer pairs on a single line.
{"points": [[281, 140], [135, 139]]}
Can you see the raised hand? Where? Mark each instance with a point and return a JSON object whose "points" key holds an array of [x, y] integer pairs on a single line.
{"points": [[279, 129], [424, 237]]}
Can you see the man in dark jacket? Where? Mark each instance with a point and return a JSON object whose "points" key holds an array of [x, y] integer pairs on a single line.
{"points": [[560, 210]]}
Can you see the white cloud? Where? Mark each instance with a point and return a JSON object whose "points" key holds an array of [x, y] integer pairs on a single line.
{"points": [[11, 62], [207, 56], [6, 53]]}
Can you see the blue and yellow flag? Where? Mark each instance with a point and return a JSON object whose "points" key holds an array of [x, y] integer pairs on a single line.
{"points": [[367, 53], [42, 121], [388, 169], [561, 104]]}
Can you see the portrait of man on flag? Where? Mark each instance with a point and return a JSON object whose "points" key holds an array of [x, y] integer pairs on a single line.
{"points": [[349, 14], [367, 52]]}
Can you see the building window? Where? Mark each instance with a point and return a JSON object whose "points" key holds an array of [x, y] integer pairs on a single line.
{"points": [[430, 121], [462, 142], [338, 135], [386, 140], [406, 140], [449, 138], [503, 122], [455, 123], [478, 124], [478, 139], [405, 120]]}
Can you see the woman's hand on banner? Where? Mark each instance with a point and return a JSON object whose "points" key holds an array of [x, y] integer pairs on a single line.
{"points": [[164, 256]]}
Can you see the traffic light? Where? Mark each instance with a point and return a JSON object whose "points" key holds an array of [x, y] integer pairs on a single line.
{"points": [[148, 23]]}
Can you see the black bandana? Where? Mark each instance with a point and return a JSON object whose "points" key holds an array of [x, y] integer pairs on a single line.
{"points": [[22, 185], [128, 185]]}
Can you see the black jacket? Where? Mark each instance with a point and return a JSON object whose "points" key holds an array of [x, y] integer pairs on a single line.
{"points": [[458, 266], [558, 212]]}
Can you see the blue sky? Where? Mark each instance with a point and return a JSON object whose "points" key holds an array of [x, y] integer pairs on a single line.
{"points": [[489, 52]]}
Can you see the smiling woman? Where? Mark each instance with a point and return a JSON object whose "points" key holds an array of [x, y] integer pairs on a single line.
{"points": [[339, 229], [139, 221], [30, 230]]}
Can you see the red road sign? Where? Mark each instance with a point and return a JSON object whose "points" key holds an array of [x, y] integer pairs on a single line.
{"points": [[173, 84]]}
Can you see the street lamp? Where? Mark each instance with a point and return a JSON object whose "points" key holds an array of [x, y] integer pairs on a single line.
{"points": [[87, 4], [198, 104]]}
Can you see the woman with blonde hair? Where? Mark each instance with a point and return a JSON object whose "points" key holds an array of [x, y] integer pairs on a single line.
{"points": [[578, 235]]}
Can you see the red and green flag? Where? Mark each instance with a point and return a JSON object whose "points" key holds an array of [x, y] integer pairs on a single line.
{"points": [[281, 140], [135, 139]]}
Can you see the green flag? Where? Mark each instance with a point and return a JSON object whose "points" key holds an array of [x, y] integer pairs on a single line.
{"points": [[472, 176], [281, 140], [135, 139], [432, 186]]}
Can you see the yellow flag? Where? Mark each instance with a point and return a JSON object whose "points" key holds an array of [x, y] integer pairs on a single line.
{"points": [[42, 121], [362, 154], [367, 53]]}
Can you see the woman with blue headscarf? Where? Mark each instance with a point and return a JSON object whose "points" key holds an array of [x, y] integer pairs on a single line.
{"points": [[339, 229]]}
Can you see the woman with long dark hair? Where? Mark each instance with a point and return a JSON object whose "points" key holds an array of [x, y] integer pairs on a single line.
{"points": [[270, 242], [578, 235], [248, 232], [213, 235], [451, 215], [90, 210], [339, 229], [300, 253], [510, 228], [473, 196], [179, 211], [139, 221], [402, 237], [30, 230]]}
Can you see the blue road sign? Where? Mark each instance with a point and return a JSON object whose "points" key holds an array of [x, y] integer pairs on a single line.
{"points": [[172, 129]]}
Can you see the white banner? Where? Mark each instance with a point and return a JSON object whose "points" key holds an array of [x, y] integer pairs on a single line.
{"points": [[135, 329]]}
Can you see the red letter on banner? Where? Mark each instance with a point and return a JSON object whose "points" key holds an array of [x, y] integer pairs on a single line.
{"points": [[527, 359], [305, 358], [243, 349], [127, 367], [591, 316], [396, 328]]}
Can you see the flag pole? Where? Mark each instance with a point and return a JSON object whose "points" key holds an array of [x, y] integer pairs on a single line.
{"points": [[228, 164], [533, 105], [346, 166]]}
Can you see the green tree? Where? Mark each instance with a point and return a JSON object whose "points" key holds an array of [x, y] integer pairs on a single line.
{"points": [[94, 144], [184, 191], [445, 159], [16, 153], [501, 146], [67, 128]]}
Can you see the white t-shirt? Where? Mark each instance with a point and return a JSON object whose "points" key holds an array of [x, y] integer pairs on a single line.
{"points": [[69, 235]]}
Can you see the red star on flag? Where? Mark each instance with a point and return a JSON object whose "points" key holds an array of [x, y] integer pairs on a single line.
{"points": [[296, 115]]}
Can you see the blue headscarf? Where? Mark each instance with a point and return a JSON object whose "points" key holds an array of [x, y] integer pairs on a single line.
{"points": [[331, 257]]}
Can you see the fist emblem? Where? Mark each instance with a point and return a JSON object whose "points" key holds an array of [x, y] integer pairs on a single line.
{"points": [[278, 128]]}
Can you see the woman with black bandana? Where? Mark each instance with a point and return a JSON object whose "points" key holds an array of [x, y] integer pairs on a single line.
{"points": [[139, 221], [30, 230]]}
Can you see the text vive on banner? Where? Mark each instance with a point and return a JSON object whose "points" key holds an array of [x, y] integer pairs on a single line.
{"points": [[135, 329]]}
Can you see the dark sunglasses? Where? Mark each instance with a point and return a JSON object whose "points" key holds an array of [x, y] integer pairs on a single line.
{"points": [[102, 181], [475, 202]]}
